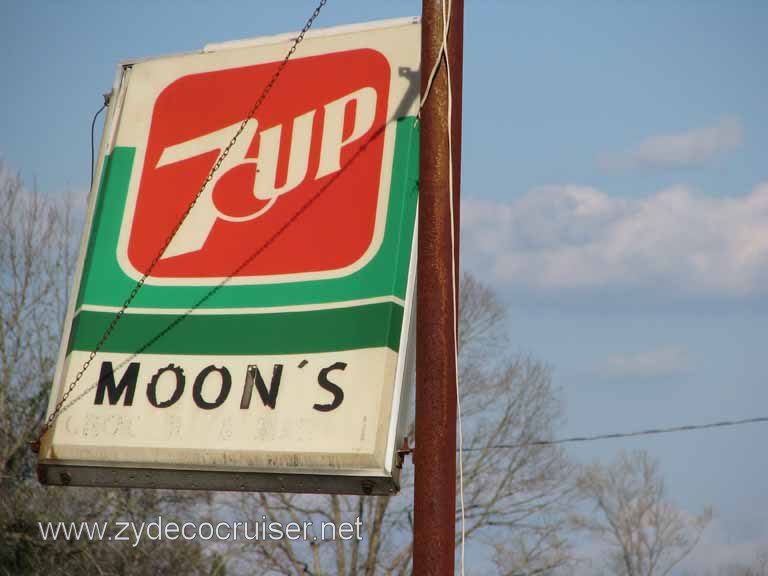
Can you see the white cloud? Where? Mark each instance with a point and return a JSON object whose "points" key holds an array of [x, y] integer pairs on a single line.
{"points": [[570, 237], [662, 361], [720, 547], [683, 149]]}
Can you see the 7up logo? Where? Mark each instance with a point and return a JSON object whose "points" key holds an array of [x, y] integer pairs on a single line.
{"points": [[302, 190]]}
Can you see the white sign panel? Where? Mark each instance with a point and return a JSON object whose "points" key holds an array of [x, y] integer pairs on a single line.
{"points": [[268, 347]]}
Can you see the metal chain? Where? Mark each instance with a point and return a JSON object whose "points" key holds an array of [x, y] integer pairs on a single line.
{"points": [[224, 153]]}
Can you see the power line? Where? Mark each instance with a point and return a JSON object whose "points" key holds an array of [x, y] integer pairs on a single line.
{"points": [[610, 436], [614, 435], [93, 127]]}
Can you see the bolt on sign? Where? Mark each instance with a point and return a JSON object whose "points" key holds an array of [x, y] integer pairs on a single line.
{"points": [[268, 347]]}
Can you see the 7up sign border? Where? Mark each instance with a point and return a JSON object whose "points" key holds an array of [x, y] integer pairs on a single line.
{"points": [[268, 347]]}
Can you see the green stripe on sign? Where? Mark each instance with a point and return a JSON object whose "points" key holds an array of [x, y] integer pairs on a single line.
{"points": [[368, 326]]}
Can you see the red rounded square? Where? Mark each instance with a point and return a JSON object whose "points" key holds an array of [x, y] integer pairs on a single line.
{"points": [[323, 224]]}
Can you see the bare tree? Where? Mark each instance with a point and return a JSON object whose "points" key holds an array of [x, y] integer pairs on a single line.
{"points": [[647, 535], [37, 252], [758, 567], [35, 265], [516, 497]]}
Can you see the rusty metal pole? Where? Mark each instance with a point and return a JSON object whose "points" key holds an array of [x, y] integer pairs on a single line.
{"points": [[434, 537]]}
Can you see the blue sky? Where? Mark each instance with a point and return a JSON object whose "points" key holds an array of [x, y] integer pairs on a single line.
{"points": [[615, 192]]}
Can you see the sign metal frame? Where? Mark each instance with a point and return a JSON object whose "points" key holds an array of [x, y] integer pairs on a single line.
{"points": [[380, 472]]}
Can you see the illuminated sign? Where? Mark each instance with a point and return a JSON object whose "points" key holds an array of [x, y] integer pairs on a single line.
{"points": [[268, 347]]}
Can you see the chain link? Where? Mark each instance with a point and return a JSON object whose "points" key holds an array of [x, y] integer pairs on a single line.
{"points": [[224, 153]]}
